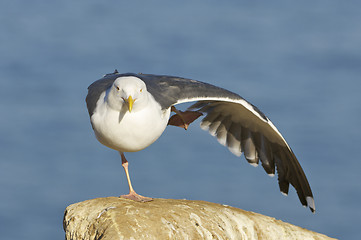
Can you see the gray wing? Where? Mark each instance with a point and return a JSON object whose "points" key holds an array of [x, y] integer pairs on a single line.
{"points": [[237, 124], [94, 92]]}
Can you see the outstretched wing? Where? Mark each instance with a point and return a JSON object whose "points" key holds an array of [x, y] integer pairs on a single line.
{"points": [[242, 130], [238, 125]]}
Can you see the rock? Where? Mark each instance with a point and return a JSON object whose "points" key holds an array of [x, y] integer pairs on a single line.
{"points": [[118, 218]]}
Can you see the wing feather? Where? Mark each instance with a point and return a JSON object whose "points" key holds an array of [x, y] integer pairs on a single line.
{"points": [[234, 139], [249, 147], [222, 130], [244, 131], [215, 124]]}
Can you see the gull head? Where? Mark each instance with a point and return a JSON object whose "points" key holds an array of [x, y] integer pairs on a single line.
{"points": [[128, 93]]}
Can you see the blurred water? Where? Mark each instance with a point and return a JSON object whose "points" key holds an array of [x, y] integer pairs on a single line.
{"points": [[299, 62]]}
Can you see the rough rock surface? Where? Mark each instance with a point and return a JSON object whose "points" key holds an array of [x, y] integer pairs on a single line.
{"points": [[117, 218]]}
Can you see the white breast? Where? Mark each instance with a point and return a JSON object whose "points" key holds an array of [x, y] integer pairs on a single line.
{"points": [[129, 131]]}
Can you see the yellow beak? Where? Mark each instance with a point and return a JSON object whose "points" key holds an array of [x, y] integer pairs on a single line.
{"points": [[130, 103]]}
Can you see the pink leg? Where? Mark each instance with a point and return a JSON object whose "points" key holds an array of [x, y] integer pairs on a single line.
{"points": [[132, 194]]}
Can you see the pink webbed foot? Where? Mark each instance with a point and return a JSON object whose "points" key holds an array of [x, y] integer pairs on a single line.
{"points": [[136, 197], [183, 119]]}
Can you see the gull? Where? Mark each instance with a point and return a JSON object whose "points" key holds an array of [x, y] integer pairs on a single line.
{"points": [[128, 112]]}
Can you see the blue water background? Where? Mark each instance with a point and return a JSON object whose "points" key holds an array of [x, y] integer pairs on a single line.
{"points": [[298, 61]]}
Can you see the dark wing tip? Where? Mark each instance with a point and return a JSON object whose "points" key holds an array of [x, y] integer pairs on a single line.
{"points": [[311, 204]]}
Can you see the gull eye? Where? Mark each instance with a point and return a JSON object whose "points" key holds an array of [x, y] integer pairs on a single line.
{"points": [[140, 90], [117, 88]]}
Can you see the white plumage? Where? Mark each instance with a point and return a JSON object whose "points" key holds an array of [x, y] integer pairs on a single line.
{"points": [[128, 131]]}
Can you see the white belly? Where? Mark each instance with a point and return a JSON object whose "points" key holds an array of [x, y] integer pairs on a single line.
{"points": [[129, 131]]}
